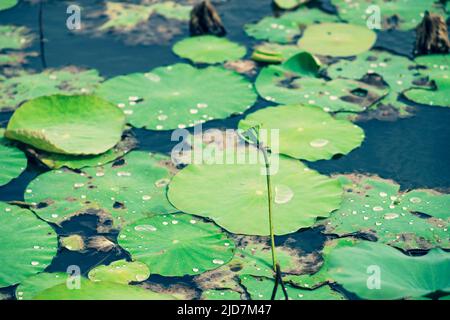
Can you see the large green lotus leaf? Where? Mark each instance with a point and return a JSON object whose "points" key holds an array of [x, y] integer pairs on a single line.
{"points": [[300, 195], [261, 289], [288, 27], [128, 189], [337, 39], [307, 133], [375, 206], [278, 84], [397, 14], [102, 290], [401, 276], [179, 96], [209, 49], [14, 91], [58, 161], [77, 125], [12, 160], [7, 4], [177, 245], [220, 295], [274, 53], [322, 276], [436, 68], [33, 285], [28, 244], [120, 271], [13, 37]]}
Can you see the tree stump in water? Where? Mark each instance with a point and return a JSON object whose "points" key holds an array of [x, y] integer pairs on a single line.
{"points": [[206, 20], [432, 35]]}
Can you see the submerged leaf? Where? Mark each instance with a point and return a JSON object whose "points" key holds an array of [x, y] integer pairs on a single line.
{"points": [[28, 244], [376, 271], [78, 125], [12, 37], [177, 245]]}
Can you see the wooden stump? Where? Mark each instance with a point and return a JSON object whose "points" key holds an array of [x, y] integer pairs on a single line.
{"points": [[206, 20], [432, 35]]}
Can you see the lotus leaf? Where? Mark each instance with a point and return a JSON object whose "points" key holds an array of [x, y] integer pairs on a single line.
{"points": [[120, 272], [78, 125], [7, 4], [177, 245], [307, 133], [375, 206], [289, 4], [73, 242], [221, 295], [12, 37], [209, 49], [179, 96], [397, 14], [127, 189], [337, 39], [273, 52], [400, 276], [102, 290], [261, 289], [14, 91], [12, 160], [301, 195], [33, 285], [28, 244]]}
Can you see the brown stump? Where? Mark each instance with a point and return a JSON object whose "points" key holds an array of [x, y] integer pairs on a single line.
{"points": [[206, 20], [432, 35]]}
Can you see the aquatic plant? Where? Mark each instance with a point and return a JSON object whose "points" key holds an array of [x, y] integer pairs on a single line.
{"points": [[12, 160]]}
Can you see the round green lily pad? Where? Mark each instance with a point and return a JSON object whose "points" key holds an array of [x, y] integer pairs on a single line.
{"points": [[121, 272], [70, 80], [28, 244], [128, 189], [79, 125], [102, 290], [179, 96], [177, 245], [7, 4], [221, 295], [33, 285], [261, 289], [209, 49], [400, 275], [12, 161], [300, 195], [337, 39], [376, 207], [289, 4], [307, 133]]}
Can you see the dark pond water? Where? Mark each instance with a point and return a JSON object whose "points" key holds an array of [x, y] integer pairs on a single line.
{"points": [[414, 151]]}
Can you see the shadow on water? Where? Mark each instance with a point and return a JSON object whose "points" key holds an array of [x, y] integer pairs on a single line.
{"points": [[413, 151]]}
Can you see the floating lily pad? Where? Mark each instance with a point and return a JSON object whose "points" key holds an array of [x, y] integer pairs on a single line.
{"points": [[337, 39], [289, 4], [273, 52], [12, 37], [14, 91], [395, 14], [261, 289], [401, 276], [128, 189], [78, 125], [285, 85], [177, 245], [73, 242], [288, 27], [179, 96], [221, 295], [376, 207], [120, 272], [125, 16], [90, 290], [33, 285], [12, 160], [58, 161], [301, 195], [209, 49], [28, 244], [307, 133], [398, 72], [437, 71], [7, 4]]}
